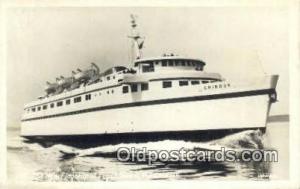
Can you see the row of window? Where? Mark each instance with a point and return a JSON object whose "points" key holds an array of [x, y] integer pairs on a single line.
{"points": [[134, 88], [171, 63], [176, 62], [60, 103], [168, 84], [108, 78]]}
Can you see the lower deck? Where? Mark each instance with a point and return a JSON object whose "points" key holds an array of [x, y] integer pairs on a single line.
{"points": [[136, 93], [192, 114]]}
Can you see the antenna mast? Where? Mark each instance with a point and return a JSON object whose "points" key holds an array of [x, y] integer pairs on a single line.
{"points": [[137, 41]]}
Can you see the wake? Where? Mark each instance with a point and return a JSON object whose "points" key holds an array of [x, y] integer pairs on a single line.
{"points": [[250, 140]]}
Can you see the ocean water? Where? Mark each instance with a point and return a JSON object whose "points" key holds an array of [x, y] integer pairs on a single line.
{"points": [[32, 162]]}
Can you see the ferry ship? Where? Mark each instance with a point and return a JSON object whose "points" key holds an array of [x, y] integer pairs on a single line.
{"points": [[166, 96]]}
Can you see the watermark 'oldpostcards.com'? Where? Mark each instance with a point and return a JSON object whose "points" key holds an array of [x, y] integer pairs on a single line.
{"points": [[184, 155]]}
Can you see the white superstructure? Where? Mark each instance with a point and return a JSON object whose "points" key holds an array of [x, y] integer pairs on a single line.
{"points": [[161, 94]]}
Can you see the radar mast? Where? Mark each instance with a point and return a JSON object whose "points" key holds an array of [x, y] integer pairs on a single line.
{"points": [[137, 40]]}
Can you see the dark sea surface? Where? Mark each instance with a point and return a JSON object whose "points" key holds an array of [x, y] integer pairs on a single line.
{"points": [[33, 162]]}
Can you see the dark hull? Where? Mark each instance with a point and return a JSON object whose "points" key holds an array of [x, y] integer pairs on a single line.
{"points": [[87, 141]]}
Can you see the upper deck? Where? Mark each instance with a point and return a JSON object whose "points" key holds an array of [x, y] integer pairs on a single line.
{"points": [[168, 57], [168, 63], [145, 70]]}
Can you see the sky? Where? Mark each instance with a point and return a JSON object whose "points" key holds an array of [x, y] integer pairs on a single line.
{"points": [[237, 42]]}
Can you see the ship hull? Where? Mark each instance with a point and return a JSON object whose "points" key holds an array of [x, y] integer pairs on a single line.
{"points": [[94, 140], [221, 115]]}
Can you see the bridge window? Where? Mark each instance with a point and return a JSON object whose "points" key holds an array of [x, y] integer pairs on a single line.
{"points": [[167, 84], [199, 66], [33, 109], [183, 83], [77, 99], [88, 97], [171, 63], [205, 81], [60, 103], [188, 63], [108, 78], [39, 108], [182, 63], [68, 101], [45, 107], [125, 89], [148, 67], [195, 82], [177, 63], [134, 88], [52, 105], [164, 63], [144, 86]]}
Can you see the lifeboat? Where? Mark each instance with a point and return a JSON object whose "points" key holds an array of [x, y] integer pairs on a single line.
{"points": [[64, 83], [85, 75], [78, 77], [50, 87], [74, 85]]}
